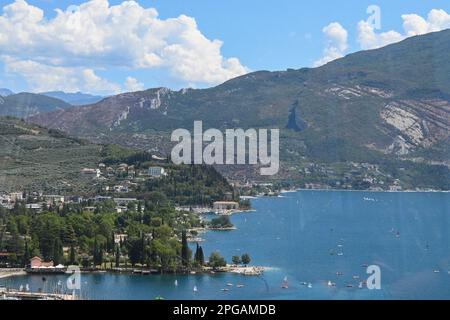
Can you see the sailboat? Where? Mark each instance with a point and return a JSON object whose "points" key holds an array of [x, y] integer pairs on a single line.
{"points": [[285, 284], [176, 283], [195, 289]]}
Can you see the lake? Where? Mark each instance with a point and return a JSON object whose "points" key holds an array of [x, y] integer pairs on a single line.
{"points": [[310, 237]]}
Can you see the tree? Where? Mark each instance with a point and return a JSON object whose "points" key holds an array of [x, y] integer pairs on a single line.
{"points": [[246, 259], [216, 260], [185, 254], [198, 257], [201, 257], [221, 222], [27, 254], [117, 257], [100, 256], [72, 256], [236, 260], [58, 253], [135, 251]]}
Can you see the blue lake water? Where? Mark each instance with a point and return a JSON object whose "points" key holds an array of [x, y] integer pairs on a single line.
{"points": [[299, 236]]}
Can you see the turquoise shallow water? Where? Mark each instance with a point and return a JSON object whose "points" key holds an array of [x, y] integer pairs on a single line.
{"points": [[406, 234]]}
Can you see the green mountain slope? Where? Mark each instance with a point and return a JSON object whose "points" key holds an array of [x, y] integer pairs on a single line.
{"points": [[36, 159], [23, 105]]}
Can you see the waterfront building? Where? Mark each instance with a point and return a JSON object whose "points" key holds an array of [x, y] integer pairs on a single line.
{"points": [[225, 205], [37, 262]]}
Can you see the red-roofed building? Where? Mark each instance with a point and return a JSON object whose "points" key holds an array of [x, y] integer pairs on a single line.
{"points": [[37, 262]]}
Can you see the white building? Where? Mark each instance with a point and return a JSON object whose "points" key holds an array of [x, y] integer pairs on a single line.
{"points": [[120, 189], [15, 196], [124, 201], [53, 199], [225, 205], [34, 206], [120, 238], [93, 173], [156, 172]]}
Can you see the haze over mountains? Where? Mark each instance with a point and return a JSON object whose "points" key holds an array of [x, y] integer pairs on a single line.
{"points": [[24, 104], [378, 106], [75, 98], [5, 92]]}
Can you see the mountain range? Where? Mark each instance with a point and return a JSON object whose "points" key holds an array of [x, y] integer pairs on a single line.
{"points": [[75, 98], [389, 107], [23, 105], [5, 92]]}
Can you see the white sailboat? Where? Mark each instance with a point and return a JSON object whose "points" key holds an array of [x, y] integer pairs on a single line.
{"points": [[176, 283], [195, 289], [285, 284]]}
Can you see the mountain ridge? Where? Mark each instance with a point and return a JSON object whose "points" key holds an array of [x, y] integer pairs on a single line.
{"points": [[25, 104], [387, 104], [74, 98]]}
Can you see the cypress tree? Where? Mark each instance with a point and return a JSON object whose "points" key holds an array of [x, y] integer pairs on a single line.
{"points": [[95, 253], [72, 255], [196, 256], [117, 257], [184, 249], [100, 256], [201, 257]]}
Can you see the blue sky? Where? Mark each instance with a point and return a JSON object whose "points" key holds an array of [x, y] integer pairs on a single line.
{"points": [[262, 35]]}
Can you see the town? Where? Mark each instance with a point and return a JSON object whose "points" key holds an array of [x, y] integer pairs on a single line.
{"points": [[140, 222]]}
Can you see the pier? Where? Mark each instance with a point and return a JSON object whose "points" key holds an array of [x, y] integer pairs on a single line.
{"points": [[23, 295]]}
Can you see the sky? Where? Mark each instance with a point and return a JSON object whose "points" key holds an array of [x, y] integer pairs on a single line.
{"points": [[107, 47]]}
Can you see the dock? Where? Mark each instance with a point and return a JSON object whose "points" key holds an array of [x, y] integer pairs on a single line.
{"points": [[23, 295], [10, 272]]}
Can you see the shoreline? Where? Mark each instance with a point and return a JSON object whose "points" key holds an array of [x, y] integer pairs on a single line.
{"points": [[4, 273], [373, 191]]}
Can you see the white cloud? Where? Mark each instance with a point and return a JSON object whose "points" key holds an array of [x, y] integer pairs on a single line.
{"points": [[41, 77], [132, 84], [369, 39], [97, 35], [337, 43], [413, 25]]}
